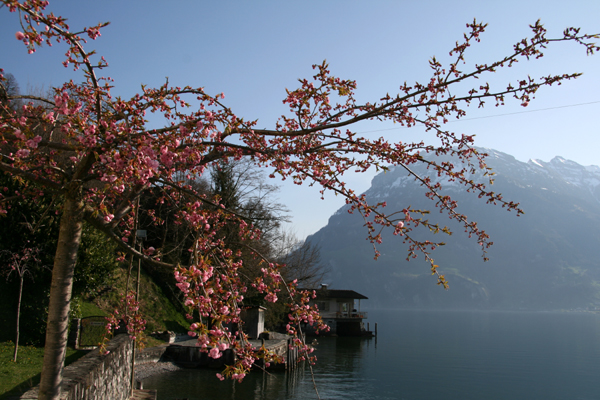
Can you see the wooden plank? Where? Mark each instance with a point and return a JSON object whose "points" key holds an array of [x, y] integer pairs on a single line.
{"points": [[143, 394]]}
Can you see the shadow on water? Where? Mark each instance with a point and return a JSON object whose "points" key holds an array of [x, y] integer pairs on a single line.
{"points": [[335, 356], [202, 384]]}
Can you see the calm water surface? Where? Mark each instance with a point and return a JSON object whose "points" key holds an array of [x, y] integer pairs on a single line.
{"points": [[429, 355]]}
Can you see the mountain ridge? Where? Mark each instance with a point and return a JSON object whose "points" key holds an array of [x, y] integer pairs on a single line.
{"points": [[545, 259]]}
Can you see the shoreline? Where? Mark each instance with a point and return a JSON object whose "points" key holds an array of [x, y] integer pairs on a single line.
{"points": [[146, 370]]}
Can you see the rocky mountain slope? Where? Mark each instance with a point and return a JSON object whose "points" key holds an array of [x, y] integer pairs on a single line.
{"points": [[547, 259]]}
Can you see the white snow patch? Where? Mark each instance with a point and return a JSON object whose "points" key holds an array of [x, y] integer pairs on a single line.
{"points": [[592, 181], [398, 182], [593, 168], [536, 162]]}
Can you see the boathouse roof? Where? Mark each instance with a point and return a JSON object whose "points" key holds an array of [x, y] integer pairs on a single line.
{"points": [[340, 294]]}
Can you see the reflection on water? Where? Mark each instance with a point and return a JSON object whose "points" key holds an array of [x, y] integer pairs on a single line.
{"points": [[202, 384], [429, 355], [339, 365]]}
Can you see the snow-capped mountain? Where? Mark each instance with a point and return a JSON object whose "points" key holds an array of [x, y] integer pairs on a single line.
{"points": [[549, 258], [568, 172]]}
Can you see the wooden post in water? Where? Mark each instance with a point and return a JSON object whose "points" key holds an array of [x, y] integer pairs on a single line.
{"points": [[291, 355], [368, 327], [287, 356], [375, 328]]}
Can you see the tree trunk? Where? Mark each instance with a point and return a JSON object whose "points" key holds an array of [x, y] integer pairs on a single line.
{"points": [[69, 240], [18, 316]]}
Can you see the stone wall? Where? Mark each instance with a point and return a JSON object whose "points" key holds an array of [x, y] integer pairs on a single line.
{"points": [[98, 376]]}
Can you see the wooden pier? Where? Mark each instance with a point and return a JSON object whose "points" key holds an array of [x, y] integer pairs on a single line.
{"points": [[188, 355], [142, 394]]}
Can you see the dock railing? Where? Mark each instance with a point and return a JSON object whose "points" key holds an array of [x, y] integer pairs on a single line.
{"points": [[351, 314]]}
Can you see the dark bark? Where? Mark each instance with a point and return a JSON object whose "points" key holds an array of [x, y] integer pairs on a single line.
{"points": [[60, 295]]}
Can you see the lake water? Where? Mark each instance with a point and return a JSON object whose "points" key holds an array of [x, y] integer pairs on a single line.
{"points": [[422, 355]]}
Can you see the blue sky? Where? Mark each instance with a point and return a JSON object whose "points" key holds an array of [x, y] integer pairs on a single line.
{"points": [[253, 50]]}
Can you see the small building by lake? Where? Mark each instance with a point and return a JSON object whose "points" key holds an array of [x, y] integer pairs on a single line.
{"points": [[340, 309]]}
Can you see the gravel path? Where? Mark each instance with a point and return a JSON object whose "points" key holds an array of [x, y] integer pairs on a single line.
{"points": [[144, 371]]}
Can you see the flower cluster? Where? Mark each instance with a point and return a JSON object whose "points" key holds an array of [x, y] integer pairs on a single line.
{"points": [[127, 315]]}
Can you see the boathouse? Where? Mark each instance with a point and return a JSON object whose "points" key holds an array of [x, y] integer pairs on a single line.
{"points": [[340, 309]]}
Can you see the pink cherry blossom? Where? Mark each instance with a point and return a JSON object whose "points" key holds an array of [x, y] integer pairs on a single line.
{"points": [[22, 153], [223, 346], [20, 134], [214, 353]]}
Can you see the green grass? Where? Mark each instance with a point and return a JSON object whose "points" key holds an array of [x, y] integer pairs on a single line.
{"points": [[156, 308], [17, 378], [91, 310], [92, 331]]}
